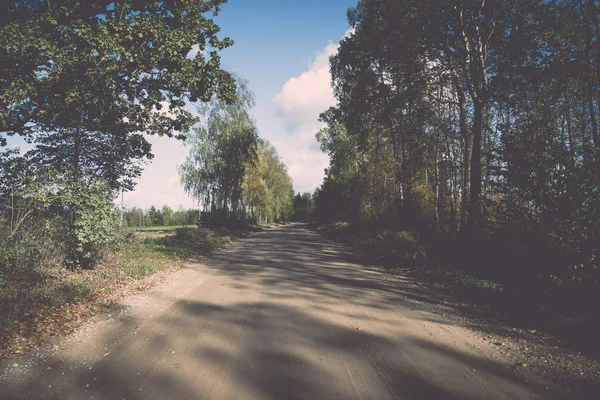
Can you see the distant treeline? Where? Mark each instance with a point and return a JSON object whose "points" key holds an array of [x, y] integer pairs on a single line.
{"points": [[303, 208], [165, 216]]}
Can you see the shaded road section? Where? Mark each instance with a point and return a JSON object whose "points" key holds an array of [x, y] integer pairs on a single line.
{"points": [[285, 314]]}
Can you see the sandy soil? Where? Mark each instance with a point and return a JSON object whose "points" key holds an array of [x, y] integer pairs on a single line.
{"points": [[284, 314]]}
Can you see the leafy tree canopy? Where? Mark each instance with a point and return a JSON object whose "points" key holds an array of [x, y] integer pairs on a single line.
{"points": [[108, 66], [267, 186], [221, 149]]}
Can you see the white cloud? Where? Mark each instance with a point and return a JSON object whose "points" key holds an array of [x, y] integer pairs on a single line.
{"points": [[304, 162], [159, 183], [297, 108], [304, 97], [195, 50]]}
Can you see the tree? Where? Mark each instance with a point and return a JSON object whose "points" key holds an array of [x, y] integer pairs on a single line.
{"points": [[298, 203], [178, 217], [39, 208], [307, 200], [134, 217], [167, 215], [98, 65], [471, 117], [402, 80], [221, 150], [92, 156], [153, 216], [191, 217], [303, 206], [345, 187], [84, 79], [267, 187]]}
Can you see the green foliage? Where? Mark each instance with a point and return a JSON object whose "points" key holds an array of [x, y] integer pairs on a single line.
{"points": [[200, 239], [267, 187], [84, 81], [104, 66], [475, 119], [94, 223], [46, 219], [108, 157], [165, 228], [221, 150], [337, 201], [403, 244], [233, 174], [162, 219], [393, 248], [24, 255], [303, 208], [166, 215]]}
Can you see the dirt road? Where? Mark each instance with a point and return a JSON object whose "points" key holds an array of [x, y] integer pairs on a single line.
{"points": [[283, 314]]}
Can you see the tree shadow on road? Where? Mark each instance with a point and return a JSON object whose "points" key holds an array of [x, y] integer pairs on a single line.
{"points": [[288, 331]]}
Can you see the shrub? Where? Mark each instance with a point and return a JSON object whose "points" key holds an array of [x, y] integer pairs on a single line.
{"points": [[53, 222], [192, 235], [401, 244], [94, 224]]}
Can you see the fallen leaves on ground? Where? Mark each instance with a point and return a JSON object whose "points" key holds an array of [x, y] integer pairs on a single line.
{"points": [[44, 322]]}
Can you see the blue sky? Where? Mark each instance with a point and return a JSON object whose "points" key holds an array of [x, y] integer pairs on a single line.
{"points": [[282, 47]]}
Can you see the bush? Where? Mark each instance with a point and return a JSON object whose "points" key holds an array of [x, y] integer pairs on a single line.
{"points": [[403, 245], [56, 224], [392, 247], [28, 252], [192, 235], [94, 224]]}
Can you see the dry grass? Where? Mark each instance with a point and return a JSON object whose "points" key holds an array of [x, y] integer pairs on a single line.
{"points": [[53, 300]]}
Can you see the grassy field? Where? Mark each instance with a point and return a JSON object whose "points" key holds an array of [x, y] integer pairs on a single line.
{"points": [[169, 228]]}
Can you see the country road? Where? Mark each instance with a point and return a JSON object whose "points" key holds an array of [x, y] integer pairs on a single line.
{"points": [[283, 314]]}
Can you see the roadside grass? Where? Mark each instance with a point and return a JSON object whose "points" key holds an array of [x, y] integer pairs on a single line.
{"points": [[405, 249], [568, 313], [166, 228], [391, 249], [57, 300], [466, 280]]}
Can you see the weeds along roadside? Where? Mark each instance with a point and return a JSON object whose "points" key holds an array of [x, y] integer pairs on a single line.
{"points": [[566, 311], [46, 298]]}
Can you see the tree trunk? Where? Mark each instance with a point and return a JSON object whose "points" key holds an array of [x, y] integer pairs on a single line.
{"points": [[466, 159], [476, 168], [76, 170], [398, 171], [437, 191], [476, 32]]}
